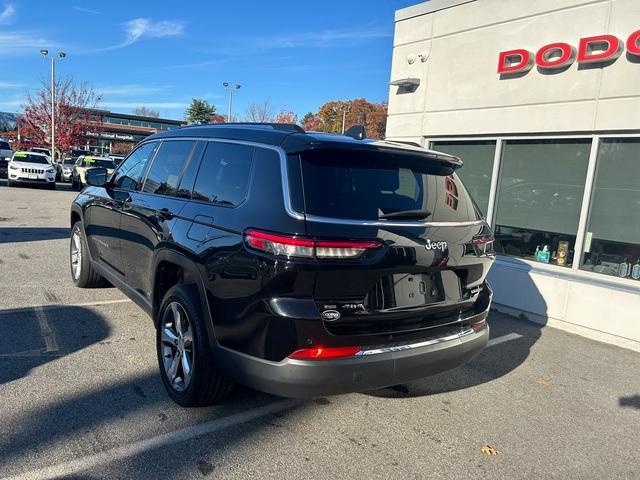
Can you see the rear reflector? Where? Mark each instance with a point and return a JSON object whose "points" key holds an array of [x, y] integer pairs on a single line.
{"points": [[321, 353], [476, 327], [291, 246]]}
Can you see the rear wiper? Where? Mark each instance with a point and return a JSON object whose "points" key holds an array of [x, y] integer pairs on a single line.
{"points": [[413, 214]]}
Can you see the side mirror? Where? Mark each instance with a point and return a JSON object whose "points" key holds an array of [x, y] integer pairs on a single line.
{"points": [[97, 176]]}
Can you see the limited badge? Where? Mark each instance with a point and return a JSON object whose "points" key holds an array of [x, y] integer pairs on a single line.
{"points": [[330, 315]]}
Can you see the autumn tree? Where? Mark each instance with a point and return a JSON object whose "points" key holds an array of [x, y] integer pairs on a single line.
{"points": [[259, 112], [143, 111], [75, 111], [312, 123], [358, 112], [200, 111], [217, 118], [286, 116], [121, 148]]}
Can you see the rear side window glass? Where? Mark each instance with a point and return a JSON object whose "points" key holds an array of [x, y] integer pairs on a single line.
{"points": [[382, 186], [223, 178], [130, 173], [167, 167], [4, 146]]}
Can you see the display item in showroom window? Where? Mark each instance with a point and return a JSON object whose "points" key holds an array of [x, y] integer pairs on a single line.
{"points": [[624, 268], [563, 252], [635, 271]]}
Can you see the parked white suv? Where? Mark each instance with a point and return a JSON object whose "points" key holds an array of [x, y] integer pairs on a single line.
{"points": [[31, 167]]}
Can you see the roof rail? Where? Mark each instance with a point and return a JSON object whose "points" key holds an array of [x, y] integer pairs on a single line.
{"points": [[288, 127]]}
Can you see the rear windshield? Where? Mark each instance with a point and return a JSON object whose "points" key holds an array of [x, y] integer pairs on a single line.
{"points": [[4, 146], [381, 186], [29, 158], [96, 162]]}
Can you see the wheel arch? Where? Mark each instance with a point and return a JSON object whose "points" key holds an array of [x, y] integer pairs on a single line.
{"points": [[171, 268]]}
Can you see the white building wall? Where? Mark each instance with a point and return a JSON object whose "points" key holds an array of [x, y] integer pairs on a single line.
{"points": [[461, 95]]}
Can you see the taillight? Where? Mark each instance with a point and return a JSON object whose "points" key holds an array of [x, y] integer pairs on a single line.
{"points": [[291, 246], [321, 353], [483, 244]]}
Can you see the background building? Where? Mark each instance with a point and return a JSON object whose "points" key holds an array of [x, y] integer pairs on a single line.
{"points": [[542, 101], [120, 128]]}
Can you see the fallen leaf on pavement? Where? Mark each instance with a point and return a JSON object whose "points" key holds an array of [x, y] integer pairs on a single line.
{"points": [[487, 450], [542, 381]]}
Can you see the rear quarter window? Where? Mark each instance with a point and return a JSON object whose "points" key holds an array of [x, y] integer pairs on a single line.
{"points": [[224, 174]]}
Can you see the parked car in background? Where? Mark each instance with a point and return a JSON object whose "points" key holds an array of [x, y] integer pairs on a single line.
{"points": [[300, 264], [117, 159], [67, 165], [31, 168], [44, 151], [85, 162], [5, 156]]}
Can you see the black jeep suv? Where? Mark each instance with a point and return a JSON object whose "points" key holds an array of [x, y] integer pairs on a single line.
{"points": [[300, 264]]}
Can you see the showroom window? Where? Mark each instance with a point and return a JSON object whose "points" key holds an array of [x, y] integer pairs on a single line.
{"points": [[539, 198], [476, 172], [612, 240]]}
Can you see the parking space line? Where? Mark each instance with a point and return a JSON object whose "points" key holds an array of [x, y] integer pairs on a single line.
{"points": [[136, 448], [61, 306], [503, 338], [49, 336]]}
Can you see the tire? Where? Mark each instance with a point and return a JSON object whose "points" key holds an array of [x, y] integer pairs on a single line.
{"points": [[82, 273], [206, 385]]}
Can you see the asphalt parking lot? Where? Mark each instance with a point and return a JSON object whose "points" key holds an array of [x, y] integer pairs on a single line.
{"points": [[80, 396]]}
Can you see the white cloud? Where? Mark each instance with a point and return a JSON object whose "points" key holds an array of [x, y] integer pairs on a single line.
{"points": [[131, 89], [146, 104], [7, 14], [15, 43], [144, 27], [323, 38], [10, 85], [86, 10]]}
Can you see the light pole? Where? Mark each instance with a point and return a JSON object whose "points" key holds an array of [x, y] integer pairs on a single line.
{"points": [[230, 87], [345, 109], [45, 53]]}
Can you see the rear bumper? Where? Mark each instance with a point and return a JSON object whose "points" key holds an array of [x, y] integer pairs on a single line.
{"points": [[313, 378]]}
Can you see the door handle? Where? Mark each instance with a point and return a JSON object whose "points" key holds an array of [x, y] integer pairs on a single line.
{"points": [[165, 214]]}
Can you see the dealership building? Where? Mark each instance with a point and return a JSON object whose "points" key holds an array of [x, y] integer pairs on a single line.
{"points": [[125, 129], [541, 100]]}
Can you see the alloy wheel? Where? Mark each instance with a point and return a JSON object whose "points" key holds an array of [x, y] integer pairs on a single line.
{"points": [[76, 254], [177, 346]]}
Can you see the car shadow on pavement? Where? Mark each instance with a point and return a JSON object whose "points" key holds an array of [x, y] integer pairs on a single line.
{"points": [[32, 234], [501, 358], [133, 409], [37, 335], [632, 401]]}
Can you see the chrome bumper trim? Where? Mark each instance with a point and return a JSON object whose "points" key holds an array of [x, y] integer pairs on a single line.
{"points": [[400, 348]]}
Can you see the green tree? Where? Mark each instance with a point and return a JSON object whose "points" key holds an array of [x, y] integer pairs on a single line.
{"points": [[307, 118], [200, 111]]}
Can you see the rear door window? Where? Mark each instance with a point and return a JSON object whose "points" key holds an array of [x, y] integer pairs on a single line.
{"points": [[223, 177], [358, 185], [4, 146], [165, 172]]}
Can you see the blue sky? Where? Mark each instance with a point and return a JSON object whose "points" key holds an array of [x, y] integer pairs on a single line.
{"points": [[294, 54]]}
